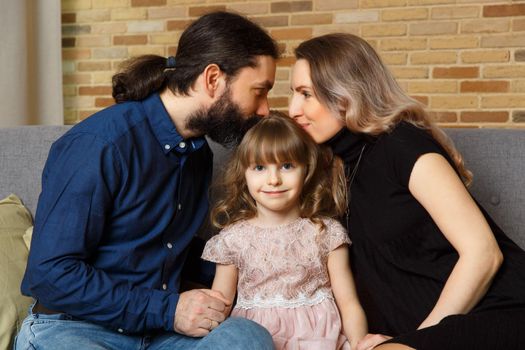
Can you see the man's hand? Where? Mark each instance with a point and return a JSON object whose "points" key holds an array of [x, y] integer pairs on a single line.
{"points": [[371, 340], [199, 311]]}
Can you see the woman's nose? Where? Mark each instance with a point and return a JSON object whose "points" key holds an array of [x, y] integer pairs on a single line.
{"points": [[294, 110]]}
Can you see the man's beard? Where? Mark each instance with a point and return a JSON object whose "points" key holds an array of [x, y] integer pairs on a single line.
{"points": [[223, 122]]}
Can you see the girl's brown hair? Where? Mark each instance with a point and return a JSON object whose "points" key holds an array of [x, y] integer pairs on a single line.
{"points": [[278, 139], [349, 78]]}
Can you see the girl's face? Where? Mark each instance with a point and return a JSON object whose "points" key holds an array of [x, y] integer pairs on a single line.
{"points": [[276, 188], [317, 119]]}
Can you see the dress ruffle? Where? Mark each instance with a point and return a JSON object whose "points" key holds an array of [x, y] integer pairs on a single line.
{"points": [[309, 327]]}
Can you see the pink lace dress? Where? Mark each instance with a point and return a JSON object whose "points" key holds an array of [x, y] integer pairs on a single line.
{"points": [[283, 280]]}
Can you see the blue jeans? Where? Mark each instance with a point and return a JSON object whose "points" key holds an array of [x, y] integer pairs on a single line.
{"points": [[63, 332]]}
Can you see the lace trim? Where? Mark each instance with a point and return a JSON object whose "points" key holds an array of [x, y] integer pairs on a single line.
{"points": [[279, 301]]}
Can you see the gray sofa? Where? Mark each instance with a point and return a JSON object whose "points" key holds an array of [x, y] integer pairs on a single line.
{"points": [[495, 156]]}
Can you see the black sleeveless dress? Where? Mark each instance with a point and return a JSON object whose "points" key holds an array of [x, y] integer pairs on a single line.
{"points": [[401, 260]]}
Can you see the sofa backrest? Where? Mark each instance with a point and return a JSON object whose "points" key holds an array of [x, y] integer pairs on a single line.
{"points": [[497, 159], [495, 156], [23, 152]]}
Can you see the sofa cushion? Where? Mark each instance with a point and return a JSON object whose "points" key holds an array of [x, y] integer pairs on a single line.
{"points": [[27, 236], [15, 220]]}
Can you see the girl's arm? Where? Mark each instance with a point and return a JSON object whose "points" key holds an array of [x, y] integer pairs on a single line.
{"points": [[342, 280], [225, 281], [435, 184]]}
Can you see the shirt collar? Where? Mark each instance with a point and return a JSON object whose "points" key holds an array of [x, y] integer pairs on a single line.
{"points": [[164, 128]]}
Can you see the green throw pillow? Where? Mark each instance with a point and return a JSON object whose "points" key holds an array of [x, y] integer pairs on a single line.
{"points": [[15, 220]]}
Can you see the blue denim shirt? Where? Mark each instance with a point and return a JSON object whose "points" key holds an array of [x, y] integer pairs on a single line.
{"points": [[123, 194]]}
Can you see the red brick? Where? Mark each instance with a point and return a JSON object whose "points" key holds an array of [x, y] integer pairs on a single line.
{"points": [[178, 24], [456, 72], [202, 10], [286, 61], [485, 86], [68, 42], [485, 117], [291, 6], [76, 79], [94, 90], [104, 101], [69, 17], [271, 21], [136, 3], [84, 114], [292, 34], [130, 39], [74, 54], [278, 102], [421, 99], [172, 50], [504, 10]]}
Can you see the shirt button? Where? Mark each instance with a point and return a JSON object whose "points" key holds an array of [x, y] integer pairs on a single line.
{"points": [[120, 330], [169, 245], [179, 206], [182, 144], [164, 286], [167, 146]]}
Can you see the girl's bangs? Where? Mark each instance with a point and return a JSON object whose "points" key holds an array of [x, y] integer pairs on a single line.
{"points": [[275, 144]]}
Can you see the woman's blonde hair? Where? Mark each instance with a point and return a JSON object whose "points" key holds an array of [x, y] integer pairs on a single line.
{"points": [[278, 139], [349, 78]]}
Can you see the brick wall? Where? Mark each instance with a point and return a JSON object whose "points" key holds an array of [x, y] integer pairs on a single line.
{"points": [[464, 59]]}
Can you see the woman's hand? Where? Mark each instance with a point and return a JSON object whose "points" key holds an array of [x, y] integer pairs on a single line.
{"points": [[371, 340]]}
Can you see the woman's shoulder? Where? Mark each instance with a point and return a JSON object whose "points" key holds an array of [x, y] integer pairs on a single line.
{"points": [[407, 134], [403, 146]]}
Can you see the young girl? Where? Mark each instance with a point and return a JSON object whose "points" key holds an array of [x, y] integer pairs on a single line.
{"points": [[279, 249]]}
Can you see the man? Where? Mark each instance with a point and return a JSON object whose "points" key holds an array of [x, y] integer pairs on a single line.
{"points": [[125, 191]]}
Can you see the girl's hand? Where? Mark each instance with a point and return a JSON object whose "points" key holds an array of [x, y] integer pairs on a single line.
{"points": [[371, 340]]}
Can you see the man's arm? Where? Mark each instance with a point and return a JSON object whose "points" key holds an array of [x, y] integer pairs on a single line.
{"points": [[81, 180]]}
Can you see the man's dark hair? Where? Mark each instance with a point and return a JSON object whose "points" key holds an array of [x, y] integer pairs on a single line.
{"points": [[227, 39]]}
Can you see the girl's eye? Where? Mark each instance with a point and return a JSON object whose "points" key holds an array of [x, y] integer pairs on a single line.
{"points": [[287, 166], [258, 167], [306, 94]]}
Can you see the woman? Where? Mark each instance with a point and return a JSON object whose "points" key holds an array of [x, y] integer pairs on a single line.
{"points": [[432, 269]]}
